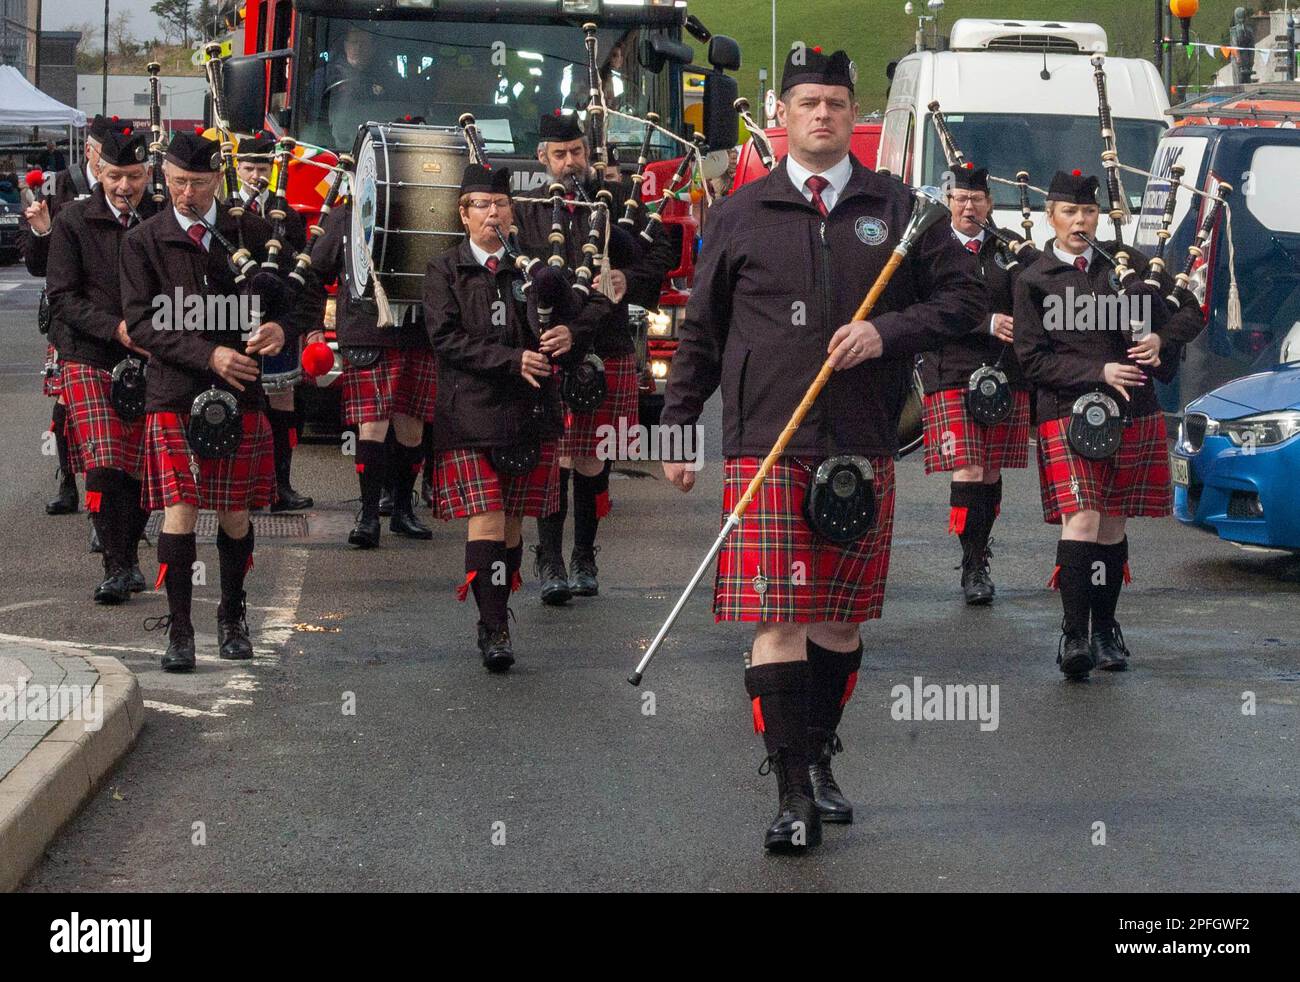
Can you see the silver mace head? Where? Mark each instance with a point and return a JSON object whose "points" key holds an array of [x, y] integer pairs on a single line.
{"points": [[929, 208]]}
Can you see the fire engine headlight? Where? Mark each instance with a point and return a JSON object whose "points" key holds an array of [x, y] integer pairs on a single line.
{"points": [[580, 6], [659, 368], [1264, 430], [331, 305], [659, 324]]}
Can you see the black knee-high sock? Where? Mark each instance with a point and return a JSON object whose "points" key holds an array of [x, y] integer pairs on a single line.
{"points": [[426, 447], [588, 494], [406, 465], [176, 555], [514, 563], [971, 515], [1105, 595], [283, 436], [1074, 579], [779, 702], [59, 424], [831, 678], [236, 559], [136, 516], [550, 529], [487, 560], [104, 499], [370, 474]]}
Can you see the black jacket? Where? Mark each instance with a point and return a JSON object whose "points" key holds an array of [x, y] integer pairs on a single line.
{"points": [[482, 399], [644, 270], [157, 258], [356, 322], [950, 367], [1066, 361], [774, 281], [83, 284]]}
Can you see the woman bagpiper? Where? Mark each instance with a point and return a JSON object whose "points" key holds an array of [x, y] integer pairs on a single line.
{"points": [[498, 407], [1102, 450]]}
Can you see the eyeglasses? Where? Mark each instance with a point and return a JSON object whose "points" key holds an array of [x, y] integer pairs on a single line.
{"points": [[482, 204], [184, 184], [962, 200]]}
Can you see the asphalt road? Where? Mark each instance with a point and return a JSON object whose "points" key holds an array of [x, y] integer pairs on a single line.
{"points": [[558, 776]]}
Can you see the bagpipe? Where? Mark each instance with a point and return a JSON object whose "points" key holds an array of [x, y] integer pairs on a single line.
{"points": [[157, 189]]}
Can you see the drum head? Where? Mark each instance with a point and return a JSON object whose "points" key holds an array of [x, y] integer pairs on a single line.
{"points": [[404, 206], [911, 424]]}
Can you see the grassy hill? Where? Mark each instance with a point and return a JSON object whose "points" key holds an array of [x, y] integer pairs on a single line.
{"points": [[876, 32]]}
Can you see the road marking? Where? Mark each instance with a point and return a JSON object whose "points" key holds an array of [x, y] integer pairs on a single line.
{"points": [[18, 639], [167, 707], [9, 608]]}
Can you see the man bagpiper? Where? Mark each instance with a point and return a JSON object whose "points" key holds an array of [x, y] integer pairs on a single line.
{"points": [[389, 375], [254, 177], [785, 265], [978, 373], [635, 277], [1093, 479], [184, 249], [88, 327], [34, 244], [498, 405]]}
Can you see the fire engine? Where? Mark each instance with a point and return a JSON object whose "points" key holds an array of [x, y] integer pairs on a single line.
{"points": [[316, 70]]}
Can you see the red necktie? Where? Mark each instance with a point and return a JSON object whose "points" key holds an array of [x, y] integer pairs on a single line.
{"points": [[571, 197], [972, 245], [253, 207], [125, 220], [1081, 264], [492, 264], [196, 233], [817, 184]]}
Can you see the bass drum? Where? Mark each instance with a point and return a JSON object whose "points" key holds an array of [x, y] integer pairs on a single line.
{"points": [[911, 425], [404, 206]]}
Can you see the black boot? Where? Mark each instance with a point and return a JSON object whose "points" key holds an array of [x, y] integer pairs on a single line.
{"points": [[386, 502], [176, 555], [971, 518], [832, 676], [779, 693], [1074, 570], [370, 474], [590, 502], [487, 562], [1108, 647], [236, 557], [408, 461], [104, 500], [233, 641], [284, 435], [66, 501], [550, 550]]}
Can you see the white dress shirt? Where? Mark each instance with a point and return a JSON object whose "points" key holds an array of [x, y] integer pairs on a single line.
{"points": [[185, 222], [838, 176], [482, 255], [1068, 257]]}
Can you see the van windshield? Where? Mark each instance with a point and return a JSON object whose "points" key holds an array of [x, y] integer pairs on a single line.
{"points": [[1041, 144]]}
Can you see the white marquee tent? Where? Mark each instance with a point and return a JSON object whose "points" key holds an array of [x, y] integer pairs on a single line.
{"points": [[23, 106]]}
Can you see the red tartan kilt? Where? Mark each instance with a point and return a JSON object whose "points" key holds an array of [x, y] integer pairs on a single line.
{"points": [[968, 442], [581, 430], [834, 583], [465, 484], [97, 435], [1134, 483], [246, 480], [53, 385], [403, 380]]}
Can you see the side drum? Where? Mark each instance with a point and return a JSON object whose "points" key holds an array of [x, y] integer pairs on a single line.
{"points": [[404, 207], [911, 424]]}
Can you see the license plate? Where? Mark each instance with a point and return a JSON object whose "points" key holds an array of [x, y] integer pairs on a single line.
{"points": [[1178, 467]]}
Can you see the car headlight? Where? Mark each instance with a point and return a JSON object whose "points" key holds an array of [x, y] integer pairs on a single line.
{"points": [[660, 323], [1264, 430]]}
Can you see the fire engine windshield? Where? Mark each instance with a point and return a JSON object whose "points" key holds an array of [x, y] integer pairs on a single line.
{"points": [[1042, 144], [507, 75]]}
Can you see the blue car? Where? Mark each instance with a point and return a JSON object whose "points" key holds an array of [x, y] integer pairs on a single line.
{"points": [[1236, 464]]}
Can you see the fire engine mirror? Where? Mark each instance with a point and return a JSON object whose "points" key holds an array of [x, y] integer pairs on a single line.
{"points": [[657, 51], [244, 84], [721, 124], [724, 53]]}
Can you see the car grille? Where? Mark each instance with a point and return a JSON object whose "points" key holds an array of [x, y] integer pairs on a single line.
{"points": [[1033, 42], [1194, 430], [1244, 504]]}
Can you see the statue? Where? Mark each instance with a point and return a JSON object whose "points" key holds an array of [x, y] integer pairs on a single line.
{"points": [[1243, 39]]}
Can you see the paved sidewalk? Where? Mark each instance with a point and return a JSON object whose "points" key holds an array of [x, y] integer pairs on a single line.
{"points": [[66, 718]]}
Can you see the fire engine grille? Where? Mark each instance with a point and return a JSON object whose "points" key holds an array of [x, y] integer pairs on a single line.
{"points": [[265, 526], [1033, 42]]}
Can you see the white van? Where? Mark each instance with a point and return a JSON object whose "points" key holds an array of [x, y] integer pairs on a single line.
{"points": [[1006, 116]]}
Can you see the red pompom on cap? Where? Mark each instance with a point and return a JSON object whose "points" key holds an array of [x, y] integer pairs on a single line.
{"points": [[1077, 173], [35, 179], [317, 359], [817, 49]]}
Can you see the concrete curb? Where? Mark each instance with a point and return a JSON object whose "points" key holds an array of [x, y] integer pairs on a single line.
{"points": [[48, 787]]}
